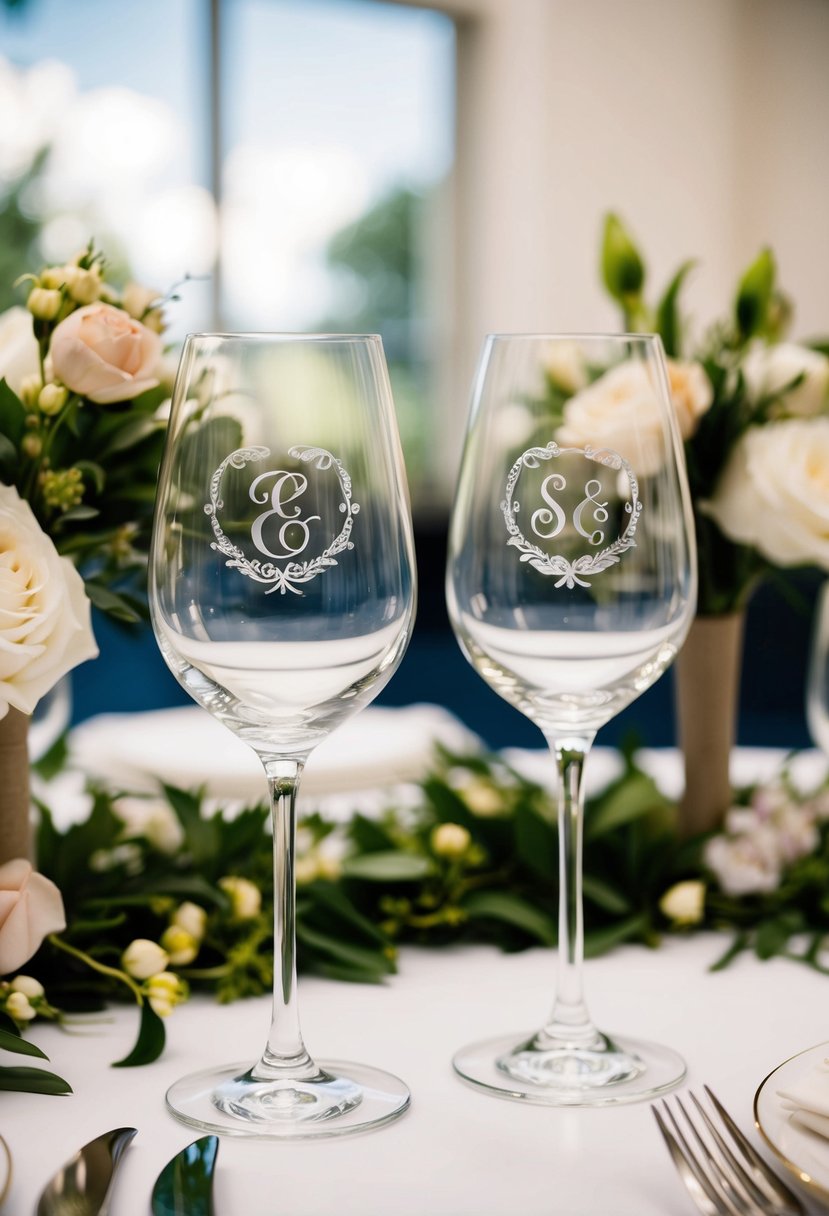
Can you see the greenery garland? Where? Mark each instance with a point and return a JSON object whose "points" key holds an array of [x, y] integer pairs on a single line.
{"points": [[164, 896]]}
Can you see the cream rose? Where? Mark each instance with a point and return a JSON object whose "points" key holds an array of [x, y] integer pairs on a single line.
{"points": [[774, 492], [45, 625], [767, 369], [102, 353], [30, 907], [18, 348], [621, 411]]}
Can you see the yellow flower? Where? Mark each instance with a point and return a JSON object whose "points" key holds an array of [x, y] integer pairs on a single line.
{"points": [[165, 991], [181, 946]]}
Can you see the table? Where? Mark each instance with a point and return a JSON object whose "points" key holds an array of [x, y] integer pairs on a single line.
{"points": [[457, 1152]]}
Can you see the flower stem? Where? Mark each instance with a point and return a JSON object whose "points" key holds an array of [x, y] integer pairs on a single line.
{"points": [[96, 966]]}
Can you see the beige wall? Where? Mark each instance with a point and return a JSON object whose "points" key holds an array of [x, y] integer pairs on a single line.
{"points": [[704, 123]]}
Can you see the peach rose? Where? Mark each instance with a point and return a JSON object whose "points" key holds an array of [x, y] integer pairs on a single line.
{"points": [[45, 625], [621, 410], [103, 353], [30, 907]]}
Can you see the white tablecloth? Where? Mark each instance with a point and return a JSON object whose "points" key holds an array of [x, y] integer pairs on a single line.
{"points": [[457, 1152]]}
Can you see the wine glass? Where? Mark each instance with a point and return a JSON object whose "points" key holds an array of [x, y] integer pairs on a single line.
{"points": [[571, 584], [282, 593]]}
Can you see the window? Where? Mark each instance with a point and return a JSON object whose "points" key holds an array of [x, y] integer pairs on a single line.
{"points": [[289, 155]]}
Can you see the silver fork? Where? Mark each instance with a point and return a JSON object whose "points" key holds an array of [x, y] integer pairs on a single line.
{"points": [[722, 1172]]}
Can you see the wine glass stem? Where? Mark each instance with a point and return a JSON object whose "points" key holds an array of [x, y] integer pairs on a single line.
{"points": [[570, 1020], [285, 1052]]}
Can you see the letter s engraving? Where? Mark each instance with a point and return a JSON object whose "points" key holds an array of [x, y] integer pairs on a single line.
{"points": [[542, 518]]}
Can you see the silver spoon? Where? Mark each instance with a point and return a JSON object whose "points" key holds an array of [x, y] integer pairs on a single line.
{"points": [[82, 1186]]}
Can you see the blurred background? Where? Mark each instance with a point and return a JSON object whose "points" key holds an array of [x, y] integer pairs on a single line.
{"points": [[432, 173]]}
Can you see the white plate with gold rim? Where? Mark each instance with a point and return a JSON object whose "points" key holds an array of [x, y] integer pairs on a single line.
{"points": [[805, 1153]]}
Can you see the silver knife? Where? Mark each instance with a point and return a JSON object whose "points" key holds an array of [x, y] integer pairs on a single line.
{"points": [[83, 1185], [185, 1185]]}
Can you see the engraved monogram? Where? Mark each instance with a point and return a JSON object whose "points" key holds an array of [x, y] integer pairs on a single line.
{"points": [[587, 517], [282, 531]]}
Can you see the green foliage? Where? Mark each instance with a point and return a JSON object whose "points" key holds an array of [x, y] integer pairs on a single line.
{"points": [[367, 886]]}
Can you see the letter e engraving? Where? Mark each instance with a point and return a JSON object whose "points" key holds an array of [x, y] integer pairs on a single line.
{"points": [[287, 488]]}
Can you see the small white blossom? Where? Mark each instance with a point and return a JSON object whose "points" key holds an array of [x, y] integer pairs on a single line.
{"points": [[165, 991], [28, 985], [482, 798], [191, 917], [143, 959], [684, 902], [450, 840], [19, 1008], [245, 897]]}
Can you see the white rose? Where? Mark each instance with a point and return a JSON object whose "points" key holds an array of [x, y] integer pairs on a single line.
{"points": [[621, 411], [45, 625], [767, 369], [774, 492], [18, 348]]}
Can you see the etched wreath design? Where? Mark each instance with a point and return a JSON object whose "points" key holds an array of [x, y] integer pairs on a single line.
{"points": [[288, 577], [589, 564]]}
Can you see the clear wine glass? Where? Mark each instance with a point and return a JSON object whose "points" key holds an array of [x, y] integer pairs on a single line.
{"points": [[571, 584], [817, 682], [282, 592]]}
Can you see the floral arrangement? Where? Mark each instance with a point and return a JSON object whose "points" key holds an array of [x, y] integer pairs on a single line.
{"points": [[753, 410], [162, 898], [81, 371]]}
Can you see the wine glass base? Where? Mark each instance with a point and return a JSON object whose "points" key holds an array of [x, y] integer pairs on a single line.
{"points": [[341, 1100], [625, 1070]]}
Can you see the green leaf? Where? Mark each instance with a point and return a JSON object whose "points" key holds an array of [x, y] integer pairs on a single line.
{"points": [[511, 908], [329, 899], [79, 512], [15, 1042], [374, 962], [201, 836], [93, 471], [668, 324], [623, 270], [368, 836], [391, 866], [536, 843], [12, 414], [54, 760], [604, 895], [110, 602], [754, 294], [134, 431], [599, 941], [33, 1081], [738, 945], [634, 796], [150, 1042]]}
